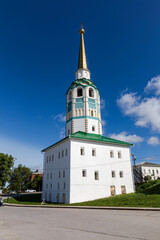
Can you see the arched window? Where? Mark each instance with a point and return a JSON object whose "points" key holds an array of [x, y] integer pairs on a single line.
{"points": [[79, 92], [70, 95], [91, 92], [79, 112], [92, 113]]}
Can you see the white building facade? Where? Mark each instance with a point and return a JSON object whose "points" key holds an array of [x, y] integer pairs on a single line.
{"points": [[147, 169], [85, 165]]}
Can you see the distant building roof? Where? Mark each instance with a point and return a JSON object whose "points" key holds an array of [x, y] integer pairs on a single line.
{"points": [[92, 137], [37, 173], [148, 164]]}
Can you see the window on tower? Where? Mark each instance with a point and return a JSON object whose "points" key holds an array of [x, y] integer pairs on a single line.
{"points": [[79, 92], [70, 95], [92, 113], [91, 92]]}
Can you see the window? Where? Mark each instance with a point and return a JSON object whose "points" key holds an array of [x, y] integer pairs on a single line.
{"points": [[63, 173], [91, 92], [79, 112], [47, 186], [57, 197], [113, 190], [111, 154], [64, 185], [52, 157], [93, 128], [59, 174], [51, 185], [91, 113], [94, 152], [50, 175], [66, 151], [123, 189], [121, 174], [157, 171], [84, 173], [149, 170], [82, 151], [68, 131], [49, 158], [62, 154], [96, 175], [59, 155], [79, 92], [113, 174], [119, 155], [70, 95], [152, 171]]}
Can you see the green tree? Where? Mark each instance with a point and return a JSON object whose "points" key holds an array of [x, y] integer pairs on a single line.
{"points": [[20, 178], [6, 163], [147, 178], [37, 183]]}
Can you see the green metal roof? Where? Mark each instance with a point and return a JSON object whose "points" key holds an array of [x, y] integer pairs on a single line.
{"points": [[97, 137], [92, 137], [82, 82]]}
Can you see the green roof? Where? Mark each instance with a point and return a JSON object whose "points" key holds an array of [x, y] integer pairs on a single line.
{"points": [[97, 137], [91, 137], [82, 82]]}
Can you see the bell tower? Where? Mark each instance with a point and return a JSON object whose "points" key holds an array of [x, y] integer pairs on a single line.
{"points": [[83, 99]]}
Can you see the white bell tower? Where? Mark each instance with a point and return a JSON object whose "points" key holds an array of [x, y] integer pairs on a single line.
{"points": [[83, 99]]}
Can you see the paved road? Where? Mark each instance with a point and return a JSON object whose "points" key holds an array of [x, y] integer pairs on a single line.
{"points": [[78, 224]]}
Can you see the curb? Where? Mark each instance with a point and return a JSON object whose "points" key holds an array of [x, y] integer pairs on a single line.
{"points": [[84, 207]]}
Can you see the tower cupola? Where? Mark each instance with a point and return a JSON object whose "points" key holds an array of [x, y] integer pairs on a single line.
{"points": [[83, 99]]}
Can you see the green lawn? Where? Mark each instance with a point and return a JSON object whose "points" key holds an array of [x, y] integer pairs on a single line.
{"points": [[148, 196], [127, 200], [29, 199]]}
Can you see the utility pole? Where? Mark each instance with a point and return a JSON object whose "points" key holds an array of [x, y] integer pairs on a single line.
{"points": [[134, 158]]}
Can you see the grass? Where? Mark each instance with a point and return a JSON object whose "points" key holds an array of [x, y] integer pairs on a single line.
{"points": [[148, 195], [28, 199], [126, 200]]}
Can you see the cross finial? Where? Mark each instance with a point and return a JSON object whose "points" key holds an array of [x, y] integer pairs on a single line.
{"points": [[82, 25]]}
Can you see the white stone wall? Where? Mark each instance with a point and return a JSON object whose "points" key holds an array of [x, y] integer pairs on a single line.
{"points": [[51, 169], [87, 188], [93, 122], [79, 125], [79, 188], [68, 127], [82, 73]]}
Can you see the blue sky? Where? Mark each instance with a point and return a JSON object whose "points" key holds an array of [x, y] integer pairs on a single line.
{"points": [[39, 47]]}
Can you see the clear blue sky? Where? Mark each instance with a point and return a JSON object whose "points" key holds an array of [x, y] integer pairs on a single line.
{"points": [[39, 46]]}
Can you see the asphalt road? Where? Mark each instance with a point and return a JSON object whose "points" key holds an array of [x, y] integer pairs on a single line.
{"points": [[78, 224]]}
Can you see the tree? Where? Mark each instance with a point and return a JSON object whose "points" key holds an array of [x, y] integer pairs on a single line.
{"points": [[37, 183], [6, 163], [147, 178], [20, 178]]}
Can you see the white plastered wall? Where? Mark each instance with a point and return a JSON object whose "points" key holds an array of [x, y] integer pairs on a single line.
{"points": [[53, 167], [87, 188]]}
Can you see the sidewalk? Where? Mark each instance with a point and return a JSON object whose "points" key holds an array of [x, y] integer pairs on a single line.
{"points": [[84, 207]]}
